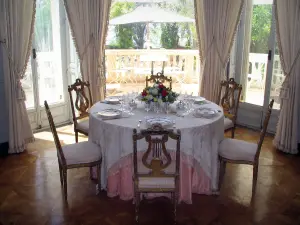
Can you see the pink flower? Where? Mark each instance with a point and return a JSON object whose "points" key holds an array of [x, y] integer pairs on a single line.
{"points": [[164, 93]]}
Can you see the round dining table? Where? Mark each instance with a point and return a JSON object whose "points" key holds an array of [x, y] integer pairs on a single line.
{"points": [[200, 138]]}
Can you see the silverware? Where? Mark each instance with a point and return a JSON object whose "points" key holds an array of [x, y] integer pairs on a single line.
{"points": [[139, 124]]}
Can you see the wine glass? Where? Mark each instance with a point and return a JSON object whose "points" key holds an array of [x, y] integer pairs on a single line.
{"points": [[131, 107], [147, 106], [122, 101], [167, 105]]}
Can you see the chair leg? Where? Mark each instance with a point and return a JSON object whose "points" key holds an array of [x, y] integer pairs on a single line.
{"points": [[222, 172], [76, 136], [99, 178], [232, 132], [254, 181], [175, 200], [60, 174], [137, 205], [65, 184]]}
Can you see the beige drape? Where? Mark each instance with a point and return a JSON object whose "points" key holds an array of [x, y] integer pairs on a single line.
{"points": [[89, 21], [287, 15], [16, 29], [216, 23]]}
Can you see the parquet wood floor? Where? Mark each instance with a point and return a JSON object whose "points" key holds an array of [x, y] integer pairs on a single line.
{"points": [[30, 192]]}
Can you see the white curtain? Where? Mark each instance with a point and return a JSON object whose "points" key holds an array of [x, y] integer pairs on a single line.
{"points": [[89, 21], [287, 15], [216, 24], [16, 29]]}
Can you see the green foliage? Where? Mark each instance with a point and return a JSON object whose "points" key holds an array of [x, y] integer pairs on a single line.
{"points": [[43, 26], [128, 35], [124, 32], [260, 30], [169, 35], [186, 31]]}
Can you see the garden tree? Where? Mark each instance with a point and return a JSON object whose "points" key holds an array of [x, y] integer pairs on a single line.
{"points": [[185, 30], [260, 30], [43, 26], [128, 35], [139, 34], [169, 36], [124, 32]]}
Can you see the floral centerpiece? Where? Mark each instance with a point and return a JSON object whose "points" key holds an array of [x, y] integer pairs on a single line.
{"points": [[158, 93]]}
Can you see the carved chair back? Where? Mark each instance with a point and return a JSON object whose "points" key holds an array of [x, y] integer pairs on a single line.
{"points": [[229, 98], [83, 100], [158, 78], [60, 153], [264, 129], [156, 158]]}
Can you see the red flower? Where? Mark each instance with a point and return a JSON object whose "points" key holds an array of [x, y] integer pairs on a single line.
{"points": [[144, 93], [164, 93], [161, 86]]}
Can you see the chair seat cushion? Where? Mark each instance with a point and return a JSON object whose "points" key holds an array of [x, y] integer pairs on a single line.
{"points": [[228, 123], [237, 150], [82, 152], [156, 182], [83, 126]]}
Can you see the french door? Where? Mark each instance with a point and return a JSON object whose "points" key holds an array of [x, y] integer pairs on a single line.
{"points": [[44, 78], [260, 70]]}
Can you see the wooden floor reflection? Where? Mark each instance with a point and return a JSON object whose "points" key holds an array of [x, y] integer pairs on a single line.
{"points": [[30, 192]]}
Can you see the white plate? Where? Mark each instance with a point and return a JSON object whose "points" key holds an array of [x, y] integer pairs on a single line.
{"points": [[205, 113], [109, 114], [113, 101], [164, 121], [199, 99]]}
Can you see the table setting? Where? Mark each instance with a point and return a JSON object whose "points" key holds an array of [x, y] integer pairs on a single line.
{"points": [[201, 123]]}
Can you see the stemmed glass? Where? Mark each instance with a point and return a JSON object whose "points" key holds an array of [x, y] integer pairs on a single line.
{"points": [[157, 107], [122, 101], [147, 106], [130, 109]]}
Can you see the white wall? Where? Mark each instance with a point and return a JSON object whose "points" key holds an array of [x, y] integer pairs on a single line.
{"points": [[3, 108]]}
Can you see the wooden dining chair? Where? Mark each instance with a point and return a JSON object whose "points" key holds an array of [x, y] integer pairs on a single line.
{"points": [[157, 172], [83, 154], [229, 98], [83, 102], [159, 78], [242, 152]]}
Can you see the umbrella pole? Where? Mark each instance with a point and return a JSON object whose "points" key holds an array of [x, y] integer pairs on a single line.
{"points": [[148, 35]]}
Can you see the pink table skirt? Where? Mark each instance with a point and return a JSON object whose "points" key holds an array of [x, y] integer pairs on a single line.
{"points": [[192, 179]]}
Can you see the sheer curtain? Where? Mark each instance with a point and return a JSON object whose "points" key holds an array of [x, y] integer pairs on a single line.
{"points": [[287, 15], [16, 29], [216, 24], [89, 21]]}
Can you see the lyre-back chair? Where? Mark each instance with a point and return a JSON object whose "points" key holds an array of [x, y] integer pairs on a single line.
{"points": [[159, 78], [242, 152], [157, 172], [83, 102], [83, 154], [229, 98]]}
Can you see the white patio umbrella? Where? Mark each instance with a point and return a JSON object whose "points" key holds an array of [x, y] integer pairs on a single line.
{"points": [[146, 14]]}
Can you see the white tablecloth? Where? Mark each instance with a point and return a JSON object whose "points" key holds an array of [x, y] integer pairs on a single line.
{"points": [[200, 138]]}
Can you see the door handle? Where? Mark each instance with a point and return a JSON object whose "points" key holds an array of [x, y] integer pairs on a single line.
{"points": [[34, 53], [270, 55]]}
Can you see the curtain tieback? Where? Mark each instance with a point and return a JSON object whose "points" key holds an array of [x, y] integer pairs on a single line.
{"points": [[20, 91], [285, 90]]}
